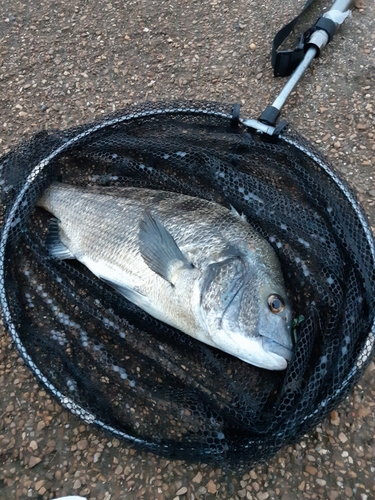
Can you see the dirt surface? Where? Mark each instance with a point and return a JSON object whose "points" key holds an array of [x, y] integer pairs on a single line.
{"points": [[64, 63]]}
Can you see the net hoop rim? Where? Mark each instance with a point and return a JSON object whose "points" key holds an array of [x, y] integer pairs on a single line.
{"points": [[9, 222]]}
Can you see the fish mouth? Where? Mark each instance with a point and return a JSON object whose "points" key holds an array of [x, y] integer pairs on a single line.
{"points": [[276, 348], [257, 351]]}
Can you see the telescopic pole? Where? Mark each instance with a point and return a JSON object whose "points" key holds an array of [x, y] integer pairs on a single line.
{"points": [[322, 33]]}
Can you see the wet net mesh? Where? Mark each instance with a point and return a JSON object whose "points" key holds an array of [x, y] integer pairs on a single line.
{"points": [[113, 365]]}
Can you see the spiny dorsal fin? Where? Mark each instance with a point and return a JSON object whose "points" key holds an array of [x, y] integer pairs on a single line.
{"points": [[237, 214]]}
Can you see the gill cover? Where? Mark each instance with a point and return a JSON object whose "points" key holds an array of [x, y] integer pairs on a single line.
{"points": [[223, 283]]}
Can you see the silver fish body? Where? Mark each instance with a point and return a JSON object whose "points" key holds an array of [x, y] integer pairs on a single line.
{"points": [[188, 262]]}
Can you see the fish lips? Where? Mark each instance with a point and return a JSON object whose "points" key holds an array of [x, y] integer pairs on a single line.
{"points": [[276, 348]]}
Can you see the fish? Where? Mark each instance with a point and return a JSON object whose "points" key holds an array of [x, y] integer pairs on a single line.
{"points": [[191, 263]]}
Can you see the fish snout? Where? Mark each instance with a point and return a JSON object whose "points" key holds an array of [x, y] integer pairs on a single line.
{"points": [[258, 351]]}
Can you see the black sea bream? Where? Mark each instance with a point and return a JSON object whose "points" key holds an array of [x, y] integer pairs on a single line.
{"points": [[191, 263]]}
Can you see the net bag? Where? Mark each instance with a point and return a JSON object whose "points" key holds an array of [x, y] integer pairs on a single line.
{"points": [[113, 365]]}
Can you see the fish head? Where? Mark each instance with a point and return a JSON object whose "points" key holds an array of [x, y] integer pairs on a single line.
{"points": [[247, 312], [265, 319]]}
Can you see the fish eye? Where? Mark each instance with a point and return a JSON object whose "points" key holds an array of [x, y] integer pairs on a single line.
{"points": [[276, 303]]}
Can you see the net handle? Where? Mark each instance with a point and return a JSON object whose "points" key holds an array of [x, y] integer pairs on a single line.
{"points": [[312, 41]]}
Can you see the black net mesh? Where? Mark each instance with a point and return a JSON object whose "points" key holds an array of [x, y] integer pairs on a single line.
{"points": [[115, 366]]}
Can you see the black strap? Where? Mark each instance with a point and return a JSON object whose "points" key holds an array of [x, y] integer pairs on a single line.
{"points": [[285, 62]]}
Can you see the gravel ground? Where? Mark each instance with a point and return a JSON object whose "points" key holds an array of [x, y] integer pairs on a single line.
{"points": [[64, 63]]}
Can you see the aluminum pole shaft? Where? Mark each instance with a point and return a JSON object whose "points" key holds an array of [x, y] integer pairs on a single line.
{"points": [[294, 79], [341, 5]]}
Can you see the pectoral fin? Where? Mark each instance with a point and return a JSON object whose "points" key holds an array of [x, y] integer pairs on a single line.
{"points": [[54, 244], [159, 250]]}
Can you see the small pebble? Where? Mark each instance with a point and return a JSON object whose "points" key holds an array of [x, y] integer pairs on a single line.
{"points": [[333, 495], [211, 486], [181, 491], [39, 484], [342, 437], [34, 461], [77, 484], [311, 470], [197, 478], [33, 445], [82, 444], [118, 470], [41, 425], [348, 491]]}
